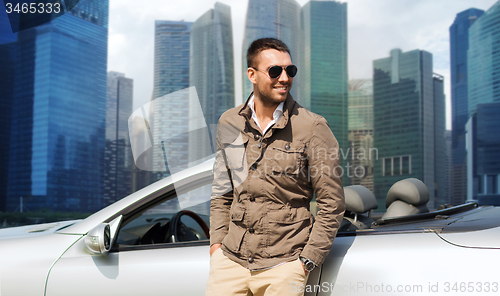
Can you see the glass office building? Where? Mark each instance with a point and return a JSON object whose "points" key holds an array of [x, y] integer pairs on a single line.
{"points": [[459, 45], [277, 19], [407, 109], [169, 119], [440, 159], [7, 62], [211, 72], [171, 64], [449, 167], [484, 59], [118, 160], [483, 155], [58, 112], [325, 87], [361, 133]]}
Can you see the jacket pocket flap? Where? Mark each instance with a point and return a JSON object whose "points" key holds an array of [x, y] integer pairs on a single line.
{"points": [[237, 214], [289, 215], [289, 150]]}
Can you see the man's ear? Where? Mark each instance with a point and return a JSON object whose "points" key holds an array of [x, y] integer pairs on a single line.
{"points": [[251, 72]]}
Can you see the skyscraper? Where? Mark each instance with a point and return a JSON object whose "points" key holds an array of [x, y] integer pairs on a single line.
{"points": [[171, 64], [483, 155], [483, 142], [169, 119], [7, 62], [277, 19], [459, 44], [440, 189], [324, 74], [58, 112], [484, 59], [407, 111], [449, 166], [118, 160], [362, 153], [211, 71]]}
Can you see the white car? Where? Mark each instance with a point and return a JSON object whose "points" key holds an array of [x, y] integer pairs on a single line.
{"points": [[155, 242]]}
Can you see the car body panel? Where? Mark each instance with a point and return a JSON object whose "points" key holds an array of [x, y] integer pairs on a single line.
{"points": [[34, 230], [363, 265], [25, 262], [158, 271], [487, 238]]}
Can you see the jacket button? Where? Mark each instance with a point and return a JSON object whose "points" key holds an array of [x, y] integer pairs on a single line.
{"points": [[287, 147], [252, 199], [251, 230], [250, 260], [256, 137]]}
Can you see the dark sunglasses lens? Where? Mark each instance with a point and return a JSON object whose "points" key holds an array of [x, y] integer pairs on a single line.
{"points": [[275, 71], [291, 70]]}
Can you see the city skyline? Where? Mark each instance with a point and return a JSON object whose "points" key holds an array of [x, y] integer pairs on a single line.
{"points": [[131, 49], [217, 51]]}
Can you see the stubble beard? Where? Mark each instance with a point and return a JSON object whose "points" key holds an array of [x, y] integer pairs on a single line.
{"points": [[272, 101]]}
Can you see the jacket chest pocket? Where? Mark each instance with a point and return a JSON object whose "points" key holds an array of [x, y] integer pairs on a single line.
{"points": [[287, 159]]}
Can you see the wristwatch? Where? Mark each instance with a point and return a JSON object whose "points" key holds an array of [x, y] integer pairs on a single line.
{"points": [[308, 264]]}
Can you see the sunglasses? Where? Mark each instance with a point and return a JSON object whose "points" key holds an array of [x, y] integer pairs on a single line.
{"points": [[275, 71]]}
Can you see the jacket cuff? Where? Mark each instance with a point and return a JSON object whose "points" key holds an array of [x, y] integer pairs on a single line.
{"points": [[312, 255], [217, 238]]}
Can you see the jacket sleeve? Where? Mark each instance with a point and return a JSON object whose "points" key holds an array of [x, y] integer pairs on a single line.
{"points": [[222, 195], [326, 180]]}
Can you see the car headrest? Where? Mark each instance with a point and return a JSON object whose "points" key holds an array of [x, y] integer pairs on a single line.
{"points": [[400, 208], [359, 199], [411, 190]]}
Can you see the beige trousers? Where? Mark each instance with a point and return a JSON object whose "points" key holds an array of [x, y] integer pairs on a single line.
{"points": [[227, 277]]}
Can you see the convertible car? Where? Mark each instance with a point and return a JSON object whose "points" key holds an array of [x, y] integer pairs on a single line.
{"points": [[155, 242]]}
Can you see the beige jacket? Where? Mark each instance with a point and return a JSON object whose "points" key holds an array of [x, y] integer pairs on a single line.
{"points": [[263, 186]]}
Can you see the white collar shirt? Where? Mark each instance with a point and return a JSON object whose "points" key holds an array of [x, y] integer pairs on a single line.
{"points": [[278, 112]]}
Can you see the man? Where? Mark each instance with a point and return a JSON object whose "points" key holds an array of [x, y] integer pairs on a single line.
{"points": [[272, 155]]}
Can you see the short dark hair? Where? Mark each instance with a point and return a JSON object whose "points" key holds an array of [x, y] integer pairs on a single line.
{"points": [[262, 44]]}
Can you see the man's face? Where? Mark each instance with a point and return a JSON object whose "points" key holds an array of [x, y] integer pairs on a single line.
{"points": [[270, 90]]}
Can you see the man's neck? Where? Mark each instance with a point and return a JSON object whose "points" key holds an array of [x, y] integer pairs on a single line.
{"points": [[264, 110]]}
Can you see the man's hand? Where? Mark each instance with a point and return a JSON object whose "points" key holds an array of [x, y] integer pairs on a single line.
{"points": [[213, 248]]}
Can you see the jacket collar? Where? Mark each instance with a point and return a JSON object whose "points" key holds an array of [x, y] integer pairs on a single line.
{"points": [[246, 112]]}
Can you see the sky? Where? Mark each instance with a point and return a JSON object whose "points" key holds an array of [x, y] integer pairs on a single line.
{"points": [[374, 28]]}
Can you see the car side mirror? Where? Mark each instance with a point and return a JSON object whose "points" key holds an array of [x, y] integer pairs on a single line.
{"points": [[98, 240]]}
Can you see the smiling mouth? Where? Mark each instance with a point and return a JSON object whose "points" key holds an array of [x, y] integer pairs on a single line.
{"points": [[281, 88]]}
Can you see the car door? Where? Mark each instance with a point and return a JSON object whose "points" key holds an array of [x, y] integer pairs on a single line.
{"points": [[179, 270], [145, 259], [137, 264]]}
